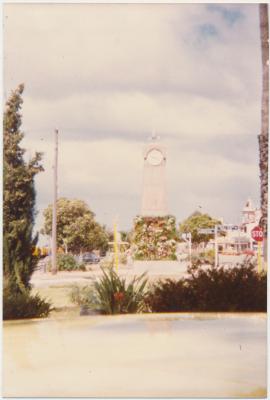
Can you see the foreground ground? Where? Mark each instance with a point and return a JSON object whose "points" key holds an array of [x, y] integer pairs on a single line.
{"points": [[156, 355]]}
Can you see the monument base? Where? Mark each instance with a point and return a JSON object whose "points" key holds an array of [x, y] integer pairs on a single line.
{"points": [[154, 238]]}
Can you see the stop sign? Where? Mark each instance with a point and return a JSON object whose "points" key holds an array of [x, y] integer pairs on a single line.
{"points": [[257, 234]]}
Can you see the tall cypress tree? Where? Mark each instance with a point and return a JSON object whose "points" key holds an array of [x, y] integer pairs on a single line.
{"points": [[19, 201]]}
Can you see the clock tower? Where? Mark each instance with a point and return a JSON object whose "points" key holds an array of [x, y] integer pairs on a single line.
{"points": [[154, 196], [154, 234]]}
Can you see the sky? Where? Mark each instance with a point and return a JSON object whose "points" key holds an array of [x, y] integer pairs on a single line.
{"points": [[107, 75]]}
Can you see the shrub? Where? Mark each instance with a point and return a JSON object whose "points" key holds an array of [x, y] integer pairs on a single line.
{"points": [[66, 262], [83, 296], [123, 258], [169, 296], [209, 255], [108, 261], [239, 288], [204, 257], [112, 294], [24, 305], [115, 296]]}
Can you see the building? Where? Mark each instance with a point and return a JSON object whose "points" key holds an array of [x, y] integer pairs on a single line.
{"points": [[250, 217], [237, 238]]}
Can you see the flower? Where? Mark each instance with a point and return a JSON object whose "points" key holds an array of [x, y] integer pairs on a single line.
{"points": [[118, 296]]}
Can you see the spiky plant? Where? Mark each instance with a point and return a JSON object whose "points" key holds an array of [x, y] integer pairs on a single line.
{"points": [[116, 296]]}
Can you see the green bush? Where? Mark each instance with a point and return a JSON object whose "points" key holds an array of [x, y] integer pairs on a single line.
{"points": [[84, 296], [169, 296], [24, 305], [204, 257], [108, 261], [122, 258], [209, 255], [112, 294], [66, 262], [239, 288]]}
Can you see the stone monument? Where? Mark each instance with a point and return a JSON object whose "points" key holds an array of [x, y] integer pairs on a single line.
{"points": [[154, 235]]}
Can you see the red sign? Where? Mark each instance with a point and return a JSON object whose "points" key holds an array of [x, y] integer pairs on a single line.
{"points": [[257, 234]]}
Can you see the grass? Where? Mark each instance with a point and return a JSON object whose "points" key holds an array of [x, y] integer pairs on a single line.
{"points": [[60, 299], [58, 295]]}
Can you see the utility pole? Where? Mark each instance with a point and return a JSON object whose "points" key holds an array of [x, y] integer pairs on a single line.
{"points": [[54, 215]]}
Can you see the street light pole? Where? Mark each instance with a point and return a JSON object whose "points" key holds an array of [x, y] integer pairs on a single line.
{"points": [[54, 215]]}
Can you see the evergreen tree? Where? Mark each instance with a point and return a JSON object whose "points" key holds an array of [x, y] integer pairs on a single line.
{"points": [[19, 201]]}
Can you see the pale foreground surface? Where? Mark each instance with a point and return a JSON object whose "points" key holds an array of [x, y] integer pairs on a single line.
{"points": [[158, 355]]}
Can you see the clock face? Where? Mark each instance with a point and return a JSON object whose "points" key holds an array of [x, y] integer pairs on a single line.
{"points": [[155, 157]]}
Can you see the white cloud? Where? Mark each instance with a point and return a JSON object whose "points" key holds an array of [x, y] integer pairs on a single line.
{"points": [[130, 114]]}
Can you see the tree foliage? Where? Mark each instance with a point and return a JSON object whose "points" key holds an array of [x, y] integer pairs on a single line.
{"points": [[77, 229], [19, 200], [198, 221], [264, 135], [24, 305]]}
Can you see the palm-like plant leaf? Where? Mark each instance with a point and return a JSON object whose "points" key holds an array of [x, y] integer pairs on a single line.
{"points": [[116, 296]]}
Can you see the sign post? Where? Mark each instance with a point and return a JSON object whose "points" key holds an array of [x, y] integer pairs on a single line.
{"points": [[257, 234], [208, 231], [115, 247], [187, 238]]}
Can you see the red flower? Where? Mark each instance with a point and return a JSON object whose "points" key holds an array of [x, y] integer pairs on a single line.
{"points": [[118, 296]]}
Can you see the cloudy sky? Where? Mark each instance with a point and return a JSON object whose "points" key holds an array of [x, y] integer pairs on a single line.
{"points": [[106, 75]]}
